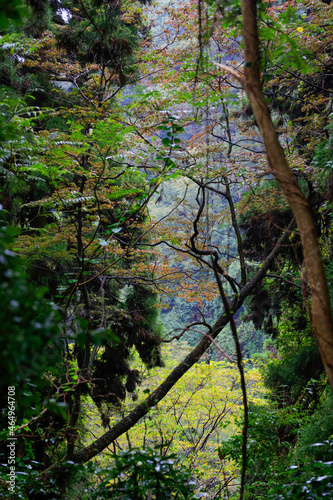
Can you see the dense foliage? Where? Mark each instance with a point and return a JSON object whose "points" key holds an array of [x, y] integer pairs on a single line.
{"points": [[138, 208]]}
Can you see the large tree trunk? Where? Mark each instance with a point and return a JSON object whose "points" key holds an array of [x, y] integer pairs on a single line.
{"points": [[320, 308]]}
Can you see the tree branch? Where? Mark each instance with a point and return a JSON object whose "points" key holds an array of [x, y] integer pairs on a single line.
{"points": [[162, 390]]}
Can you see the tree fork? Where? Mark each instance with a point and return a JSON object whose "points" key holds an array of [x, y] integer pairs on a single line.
{"points": [[320, 309]]}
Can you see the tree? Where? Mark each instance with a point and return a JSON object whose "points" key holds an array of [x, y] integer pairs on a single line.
{"points": [[72, 203], [233, 307], [321, 310], [102, 182]]}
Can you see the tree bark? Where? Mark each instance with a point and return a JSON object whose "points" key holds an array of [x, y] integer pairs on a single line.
{"points": [[320, 308]]}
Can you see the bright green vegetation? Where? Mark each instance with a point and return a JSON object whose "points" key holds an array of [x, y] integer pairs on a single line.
{"points": [[154, 304]]}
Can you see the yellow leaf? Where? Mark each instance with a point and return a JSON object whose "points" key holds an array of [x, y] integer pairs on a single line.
{"points": [[300, 29]]}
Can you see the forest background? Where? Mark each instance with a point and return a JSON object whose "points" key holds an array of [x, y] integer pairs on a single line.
{"points": [[157, 308]]}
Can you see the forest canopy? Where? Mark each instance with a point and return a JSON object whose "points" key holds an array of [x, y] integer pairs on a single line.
{"points": [[166, 195]]}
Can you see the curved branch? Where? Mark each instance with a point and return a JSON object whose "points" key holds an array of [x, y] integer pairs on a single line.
{"points": [[162, 390]]}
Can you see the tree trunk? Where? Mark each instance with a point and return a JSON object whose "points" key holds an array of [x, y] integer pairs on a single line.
{"points": [[320, 309]]}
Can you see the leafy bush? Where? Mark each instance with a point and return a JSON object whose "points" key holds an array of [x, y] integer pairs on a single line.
{"points": [[29, 332], [289, 376], [31, 347], [306, 481], [319, 429], [144, 474], [271, 435]]}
